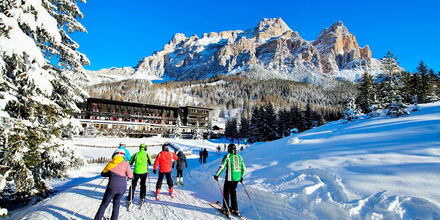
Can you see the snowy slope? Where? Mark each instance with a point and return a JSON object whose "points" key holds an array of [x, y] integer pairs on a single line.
{"points": [[378, 168]]}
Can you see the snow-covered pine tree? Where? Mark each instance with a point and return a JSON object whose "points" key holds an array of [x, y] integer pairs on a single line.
{"points": [[209, 128], [177, 133], [373, 110], [197, 133], [351, 111], [389, 67], [37, 97], [397, 108]]}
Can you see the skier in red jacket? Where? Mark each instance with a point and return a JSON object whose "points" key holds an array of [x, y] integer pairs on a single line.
{"points": [[164, 160]]}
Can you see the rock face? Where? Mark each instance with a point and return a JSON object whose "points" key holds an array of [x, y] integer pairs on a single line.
{"points": [[271, 45]]}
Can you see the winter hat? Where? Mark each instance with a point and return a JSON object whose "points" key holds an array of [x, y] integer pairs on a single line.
{"points": [[119, 152], [122, 144], [165, 147]]}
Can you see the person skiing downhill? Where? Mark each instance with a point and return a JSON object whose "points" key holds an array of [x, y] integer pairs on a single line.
{"points": [[122, 146], [181, 164], [235, 168], [141, 161], [164, 160], [117, 170]]}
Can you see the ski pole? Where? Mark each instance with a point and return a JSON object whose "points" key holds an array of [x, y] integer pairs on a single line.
{"points": [[132, 190], [149, 188], [250, 200], [189, 172], [71, 217], [224, 200]]}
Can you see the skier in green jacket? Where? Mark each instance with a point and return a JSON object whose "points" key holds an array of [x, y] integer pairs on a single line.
{"points": [[235, 168], [141, 161]]}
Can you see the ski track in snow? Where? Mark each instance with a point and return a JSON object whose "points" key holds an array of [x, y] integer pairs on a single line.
{"points": [[378, 168]]}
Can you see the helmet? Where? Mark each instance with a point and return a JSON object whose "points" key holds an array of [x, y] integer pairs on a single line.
{"points": [[122, 144], [143, 146], [120, 152], [165, 147], [232, 149]]}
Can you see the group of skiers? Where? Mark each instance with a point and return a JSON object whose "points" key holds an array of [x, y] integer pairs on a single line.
{"points": [[118, 170]]}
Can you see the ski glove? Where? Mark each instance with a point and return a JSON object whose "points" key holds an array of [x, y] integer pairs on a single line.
{"points": [[216, 178], [241, 180], [154, 171]]}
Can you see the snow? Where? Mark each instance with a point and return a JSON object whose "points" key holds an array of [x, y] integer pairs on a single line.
{"points": [[378, 168]]}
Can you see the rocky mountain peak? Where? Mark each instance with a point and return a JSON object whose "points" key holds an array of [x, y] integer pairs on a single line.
{"points": [[339, 48], [270, 27], [270, 46]]}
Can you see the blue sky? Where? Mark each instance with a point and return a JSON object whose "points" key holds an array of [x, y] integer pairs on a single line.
{"points": [[120, 33]]}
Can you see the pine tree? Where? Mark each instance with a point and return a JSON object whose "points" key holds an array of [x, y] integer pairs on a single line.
{"points": [[269, 129], [256, 125], [197, 133], [297, 118], [397, 108], [283, 127], [351, 111], [309, 117], [177, 133], [231, 128], [209, 128], [38, 97], [387, 85], [244, 128], [367, 93]]}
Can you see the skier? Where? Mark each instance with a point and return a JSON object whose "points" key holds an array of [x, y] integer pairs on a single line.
{"points": [[218, 149], [200, 156], [164, 159], [235, 169], [117, 170], [122, 146], [181, 164], [205, 155], [141, 161], [224, 146]]}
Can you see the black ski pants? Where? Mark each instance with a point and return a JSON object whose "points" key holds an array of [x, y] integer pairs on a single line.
{"points": [[143, 178], [179, 173], [160, 179], [230, 188]]}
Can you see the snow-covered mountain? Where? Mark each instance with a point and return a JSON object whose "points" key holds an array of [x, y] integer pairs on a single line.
{"points": [[271, 46], [377, 168]]}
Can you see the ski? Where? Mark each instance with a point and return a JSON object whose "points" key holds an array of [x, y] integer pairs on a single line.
{"points": [[238, 215], [216, 206]]}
